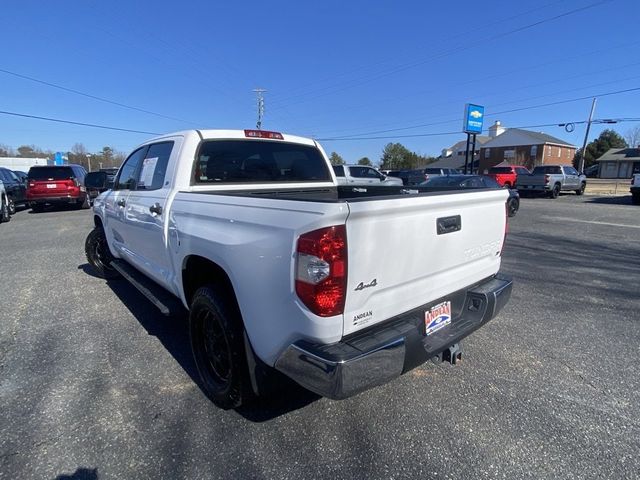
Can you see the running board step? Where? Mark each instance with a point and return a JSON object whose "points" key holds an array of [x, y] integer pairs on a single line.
{"points": [[163, 300]]}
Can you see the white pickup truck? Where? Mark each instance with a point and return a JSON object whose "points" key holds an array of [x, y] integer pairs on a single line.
{"points": [[339, 288]]}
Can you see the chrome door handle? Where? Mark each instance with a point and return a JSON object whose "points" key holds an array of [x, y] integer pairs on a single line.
{"points": [[156, 208]]}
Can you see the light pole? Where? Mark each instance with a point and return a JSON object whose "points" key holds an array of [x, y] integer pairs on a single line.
{"points": [[586, 137], [89, 160]]}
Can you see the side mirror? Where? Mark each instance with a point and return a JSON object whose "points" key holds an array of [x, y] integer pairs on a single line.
{"points": [[96, 180]]}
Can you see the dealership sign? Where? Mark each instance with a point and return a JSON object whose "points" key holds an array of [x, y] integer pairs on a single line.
{"points": [[473, 118]]}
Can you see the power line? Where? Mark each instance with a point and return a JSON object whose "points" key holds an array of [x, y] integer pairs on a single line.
{"points": [[464, 33], [466, 46], [71, 122], [458, 132], [494, 113], [94, 97], [497, 93]]}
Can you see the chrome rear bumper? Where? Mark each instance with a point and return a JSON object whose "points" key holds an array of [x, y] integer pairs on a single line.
{"points": [[383, 352]]}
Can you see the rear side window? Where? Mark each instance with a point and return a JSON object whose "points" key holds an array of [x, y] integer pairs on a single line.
{"points": [[50, 173], [154, 166], [500, 170], [432, 171], [338, 170], [257, 161]]}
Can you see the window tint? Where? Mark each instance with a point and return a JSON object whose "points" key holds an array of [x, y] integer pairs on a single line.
{"points": [[3, 175], [256, 161], [522, 171], [473, 182], [127, 178], [490, 182], [154, 166], [570, 171], [338, 170], [432, 171], [358, 172], [500, 170], [548, 170], [50, 173]]}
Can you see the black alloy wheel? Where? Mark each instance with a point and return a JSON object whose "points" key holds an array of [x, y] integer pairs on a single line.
{"points": [[217, 343], [98, 255], [580, 191]]}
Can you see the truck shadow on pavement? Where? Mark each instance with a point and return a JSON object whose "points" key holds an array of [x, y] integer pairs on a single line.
{"points": [[618, 200], [173, 334], [80, 474]]}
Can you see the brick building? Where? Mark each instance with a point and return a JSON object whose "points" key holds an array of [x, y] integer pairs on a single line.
{"points": [[522, 147]]}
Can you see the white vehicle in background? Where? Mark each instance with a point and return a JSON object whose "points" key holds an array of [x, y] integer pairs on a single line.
{"points": [[280, 267], [4, 204], [361, 175]]}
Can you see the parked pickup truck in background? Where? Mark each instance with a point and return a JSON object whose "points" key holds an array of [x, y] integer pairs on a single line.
{"points": [[635, 189], [283, 271], [552, 179], [506, 176], [362, 175]]}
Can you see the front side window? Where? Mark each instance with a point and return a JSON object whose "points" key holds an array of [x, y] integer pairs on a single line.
{"points": [[259, 161], [154, 166], [127, 177]]}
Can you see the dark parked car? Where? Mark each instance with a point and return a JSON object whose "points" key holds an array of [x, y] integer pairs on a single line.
{"points": [[15, 187], [409, 177], [60, 184], [452, 182]]}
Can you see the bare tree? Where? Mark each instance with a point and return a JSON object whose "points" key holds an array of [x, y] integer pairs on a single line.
{"points": [[633, 137]]}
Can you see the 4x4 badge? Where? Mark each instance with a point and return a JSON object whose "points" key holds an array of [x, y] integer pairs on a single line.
{"points": [[362, 286]]}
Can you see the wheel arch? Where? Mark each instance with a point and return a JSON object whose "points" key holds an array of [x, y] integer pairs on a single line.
{"points": [[198, 271]]}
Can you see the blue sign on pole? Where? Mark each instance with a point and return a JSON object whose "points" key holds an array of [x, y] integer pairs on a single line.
{"points": [[58, 160], [473, 118]]}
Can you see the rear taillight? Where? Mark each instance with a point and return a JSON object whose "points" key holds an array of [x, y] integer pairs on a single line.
{"points": [[321, 270], [546, 179]]}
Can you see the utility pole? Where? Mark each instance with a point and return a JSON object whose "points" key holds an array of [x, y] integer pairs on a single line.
{"points": [[586, 136], [259, 92], [89, 160]]}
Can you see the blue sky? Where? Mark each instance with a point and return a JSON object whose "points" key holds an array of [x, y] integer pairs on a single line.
{"points": [[331, 69]]}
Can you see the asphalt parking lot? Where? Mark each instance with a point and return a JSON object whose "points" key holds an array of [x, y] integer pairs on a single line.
{"points": [[94, 384]]}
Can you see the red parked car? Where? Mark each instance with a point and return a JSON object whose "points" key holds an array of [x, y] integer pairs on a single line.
{"points": [[506, 176], [59, 184]]}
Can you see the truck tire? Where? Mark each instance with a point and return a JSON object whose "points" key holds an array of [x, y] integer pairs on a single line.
{"points": [[216, 334], [513, 205], [5, 216], [86, 203], [98, 255], [635, 198], [580, 191], [555, 191]]}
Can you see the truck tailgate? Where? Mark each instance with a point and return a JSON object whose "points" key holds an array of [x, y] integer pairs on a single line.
{"points": [[398, 259]]}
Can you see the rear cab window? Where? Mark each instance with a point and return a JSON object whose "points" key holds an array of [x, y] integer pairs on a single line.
{"points": [[50, 173], [258, 161]]}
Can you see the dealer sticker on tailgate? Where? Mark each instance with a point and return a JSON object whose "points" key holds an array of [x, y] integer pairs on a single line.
{"points": [[438, 317]]}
